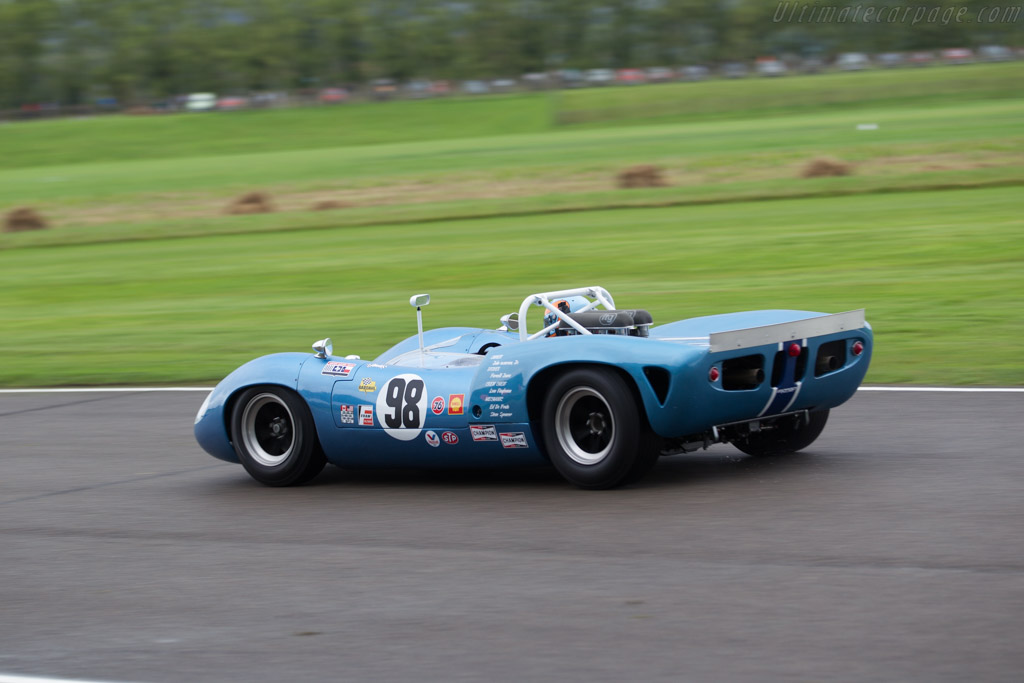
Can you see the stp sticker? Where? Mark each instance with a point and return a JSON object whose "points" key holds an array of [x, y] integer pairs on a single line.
{"points": [[368, 385], [432, 439], [337, 368], [402, 406], [437, 405], [483, 432], [455, 402], [365, 416], [348, 414], [450, 438], [513, 440]]}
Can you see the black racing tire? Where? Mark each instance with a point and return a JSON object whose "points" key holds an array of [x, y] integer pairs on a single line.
{"points": [[274, 436], [593, 430], [789, 435]]}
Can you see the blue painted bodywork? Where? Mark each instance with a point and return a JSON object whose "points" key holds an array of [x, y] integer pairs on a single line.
{"points": [[452, 406]]}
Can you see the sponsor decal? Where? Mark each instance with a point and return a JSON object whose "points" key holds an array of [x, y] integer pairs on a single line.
{"points": [[432, 439], [607, 318], [455, 402], [483, 432], [437, 405], [513, 440], [450, 438], [348, 414], [367, 384], [377, 365], [402, 406], [365, 416], [337, 368]]}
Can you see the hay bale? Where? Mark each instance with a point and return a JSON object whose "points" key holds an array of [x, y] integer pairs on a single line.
{"points": [[641, 176], [329, 205], [23, 219], [824, 167], [253, 202]]}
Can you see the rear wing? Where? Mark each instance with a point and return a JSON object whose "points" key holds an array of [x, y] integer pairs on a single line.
{"points": [[780, 332]]}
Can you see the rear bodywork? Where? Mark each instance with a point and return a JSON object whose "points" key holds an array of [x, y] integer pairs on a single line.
{"points": [[471, 397]]}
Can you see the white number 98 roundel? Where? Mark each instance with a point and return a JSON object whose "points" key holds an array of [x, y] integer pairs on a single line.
{"points": [[401, 405]]}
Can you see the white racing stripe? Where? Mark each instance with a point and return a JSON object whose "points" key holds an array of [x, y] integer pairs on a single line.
{"points": [[100, 390]]}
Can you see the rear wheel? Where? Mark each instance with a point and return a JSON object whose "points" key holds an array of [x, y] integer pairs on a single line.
{"points": [[787, 435], [274, 436], [593, 430]]}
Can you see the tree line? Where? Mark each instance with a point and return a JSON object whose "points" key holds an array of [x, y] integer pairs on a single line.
{"points": [[73, 51]]}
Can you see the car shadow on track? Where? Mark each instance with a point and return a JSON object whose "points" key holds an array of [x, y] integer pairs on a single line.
{"points": [[702, 468]]}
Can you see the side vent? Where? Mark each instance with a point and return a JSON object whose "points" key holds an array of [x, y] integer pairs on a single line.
{"points": [[659, 380], [745, 372]]}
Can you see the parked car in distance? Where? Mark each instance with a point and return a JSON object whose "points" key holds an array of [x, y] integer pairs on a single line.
{"points": [[659, 74], [630, 76], [769, 66], [537, 80], [440, 87], [995, 53], [569, 78], [503, 85], [201, 101], [696, 72], [383, 88], [921, 58], [594, 77], [475, 87], [232, 103], [417, 89], [853, 61], [333, 95], [735, 70], [957, 55], [890, 60]]}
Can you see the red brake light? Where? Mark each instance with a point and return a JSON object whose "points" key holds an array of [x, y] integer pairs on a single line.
{"points": [[858, 348], [714, 374], [794, 349]]}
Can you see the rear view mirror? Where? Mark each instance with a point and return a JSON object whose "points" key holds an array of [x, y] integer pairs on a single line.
{"points": [[417, 300], [510, 321], [323, 348]]}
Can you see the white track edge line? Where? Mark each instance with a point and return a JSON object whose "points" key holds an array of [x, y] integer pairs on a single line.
{"points": [[100, 390], [10, 678]]}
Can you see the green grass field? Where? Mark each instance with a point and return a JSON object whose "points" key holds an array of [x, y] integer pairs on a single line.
{"points": [[480, 202]]}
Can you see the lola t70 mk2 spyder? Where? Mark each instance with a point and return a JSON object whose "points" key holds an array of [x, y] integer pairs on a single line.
{"points": [[597, 392]]}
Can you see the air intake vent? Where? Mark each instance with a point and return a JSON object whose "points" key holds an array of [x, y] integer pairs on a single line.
{"points": [[659, 380]]}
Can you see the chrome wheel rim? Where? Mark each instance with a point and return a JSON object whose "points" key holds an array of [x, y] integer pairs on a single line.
{"points": [[584, 425], [268, 430]]}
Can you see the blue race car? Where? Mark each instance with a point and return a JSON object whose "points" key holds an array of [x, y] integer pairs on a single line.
{"points": [[597, 392]]}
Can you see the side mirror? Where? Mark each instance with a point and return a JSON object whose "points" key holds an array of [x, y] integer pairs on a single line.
{"points": [[417, 300], [510, 321], [323, 348]]}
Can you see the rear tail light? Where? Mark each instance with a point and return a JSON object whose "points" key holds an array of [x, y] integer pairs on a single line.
{"points": [[714, 374], [857, 348]]}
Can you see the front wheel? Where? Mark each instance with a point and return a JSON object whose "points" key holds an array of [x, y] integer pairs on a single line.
{"points": [[788, 435], [274, 436], [593, 431]]}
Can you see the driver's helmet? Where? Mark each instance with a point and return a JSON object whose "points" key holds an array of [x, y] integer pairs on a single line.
{"points": [[568, 305]]}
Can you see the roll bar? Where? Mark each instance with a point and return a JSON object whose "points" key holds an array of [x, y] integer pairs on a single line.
{"points": [[600, 297]]}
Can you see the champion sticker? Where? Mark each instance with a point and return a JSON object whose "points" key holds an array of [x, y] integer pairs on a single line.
{"points": [[365, 416], [450, 438], [513, 440], [455, 402], [337, 368], [437, 405], [483, 432], [368, 385], [348, 415], [432, 439]]}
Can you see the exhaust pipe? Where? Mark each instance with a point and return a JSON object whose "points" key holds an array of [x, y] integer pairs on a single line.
{"points": [[746, 376]]}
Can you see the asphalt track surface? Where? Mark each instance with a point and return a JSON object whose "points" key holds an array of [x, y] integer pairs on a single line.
{"points": [[891, 550]]}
